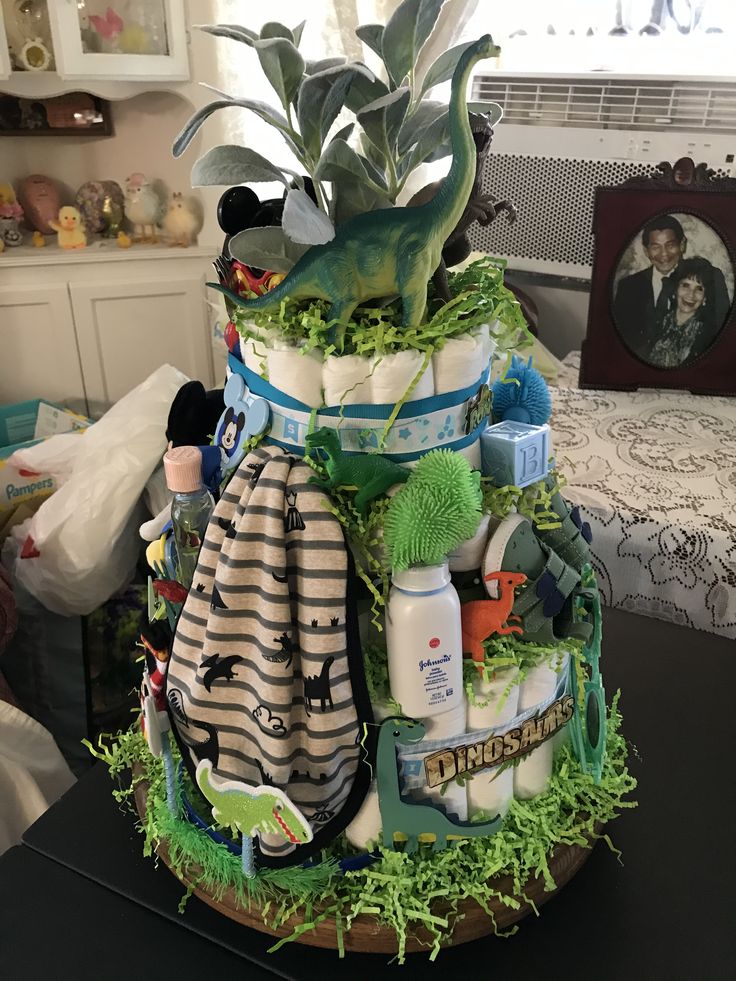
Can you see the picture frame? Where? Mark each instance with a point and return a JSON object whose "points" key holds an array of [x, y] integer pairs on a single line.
{"points": [[661, 311]]}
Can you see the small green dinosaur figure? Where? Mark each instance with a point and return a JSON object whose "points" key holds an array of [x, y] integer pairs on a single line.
{"points": [[412, 820], [252, 810], [392, 250], [371, 473]]}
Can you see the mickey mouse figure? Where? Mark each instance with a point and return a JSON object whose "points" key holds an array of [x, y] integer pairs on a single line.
{"points": [[240, 421]]}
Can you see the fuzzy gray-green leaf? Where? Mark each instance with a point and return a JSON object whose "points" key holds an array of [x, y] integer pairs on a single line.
{"points": [[364, 90], [282, 65], [313, 67], [423, 116], [274, 29], [321, 97], [433, 142], [297, 33], [233, 31], [303, 222], [227, 165], [382, 119], [191, 127], [344, 133], [339, 162], [405, 34], [443, 67], [355, 198], [371, 35], [266, 248]]}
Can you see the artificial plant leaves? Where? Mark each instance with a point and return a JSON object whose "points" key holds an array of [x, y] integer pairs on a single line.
{"points": [[227, 165], [405, 34]]}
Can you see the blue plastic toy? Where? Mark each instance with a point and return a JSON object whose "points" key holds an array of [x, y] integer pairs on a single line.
{"points": [[240, 421], [514, 453], [522, 395]]}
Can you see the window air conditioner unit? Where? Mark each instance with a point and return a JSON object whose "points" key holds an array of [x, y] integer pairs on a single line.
{"points": [[560, 138]]}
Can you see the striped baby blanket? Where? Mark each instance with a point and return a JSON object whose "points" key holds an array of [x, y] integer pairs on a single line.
{"points": [[266, 677]]}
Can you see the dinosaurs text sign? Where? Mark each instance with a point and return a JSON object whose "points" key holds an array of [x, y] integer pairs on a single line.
{"points": [[498, 747]]}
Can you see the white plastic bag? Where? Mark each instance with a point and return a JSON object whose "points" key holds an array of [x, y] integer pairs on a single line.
{"points": [[82, 544]]}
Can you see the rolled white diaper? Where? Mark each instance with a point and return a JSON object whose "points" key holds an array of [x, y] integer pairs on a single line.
{"points": [[444, 726], [490, 791], [363, 830], [346, 380], [254, 350], [461, 360], [394, 373], [532, 775], [469, 554], [472, 454], [298, 375]]}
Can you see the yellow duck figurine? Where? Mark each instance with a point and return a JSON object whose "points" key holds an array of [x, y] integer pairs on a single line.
{"points": [[38, 240], [69, 229], [124, 241]]}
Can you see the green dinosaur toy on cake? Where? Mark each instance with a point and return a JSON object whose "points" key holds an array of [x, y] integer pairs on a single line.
{"points": [[392, 250]]}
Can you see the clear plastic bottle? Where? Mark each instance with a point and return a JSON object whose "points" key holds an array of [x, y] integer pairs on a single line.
{"points": [[191, 508]]}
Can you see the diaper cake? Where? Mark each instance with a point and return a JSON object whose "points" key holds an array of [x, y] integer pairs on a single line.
{"points": [[373, 714]]}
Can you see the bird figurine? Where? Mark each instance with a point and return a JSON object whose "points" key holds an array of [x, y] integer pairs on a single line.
{"points": [[180, 222], [70, 229], [124, 241], [38, 240], [142, 208]]}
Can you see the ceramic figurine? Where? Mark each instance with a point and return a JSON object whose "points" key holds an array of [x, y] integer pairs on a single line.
{"points": [[38, 240], [124, 240], [181, 224], [142, 207], [41, 203], [70, 229], [113, 204], [10, 215]]}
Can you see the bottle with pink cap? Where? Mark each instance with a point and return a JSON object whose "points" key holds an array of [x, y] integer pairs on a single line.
{"points": [[191, 508]]}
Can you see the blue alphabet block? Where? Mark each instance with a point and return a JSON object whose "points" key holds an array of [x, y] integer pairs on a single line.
{"points": [[514, 453]]}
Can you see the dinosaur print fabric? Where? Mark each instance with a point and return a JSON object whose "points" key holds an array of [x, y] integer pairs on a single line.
{"points": [[266, 678]]}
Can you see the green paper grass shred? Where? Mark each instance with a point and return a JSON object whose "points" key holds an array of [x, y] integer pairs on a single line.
{"points": [[399, 890], [480, 298]]}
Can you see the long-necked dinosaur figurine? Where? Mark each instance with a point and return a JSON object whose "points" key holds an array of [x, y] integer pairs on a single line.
{"points": [[392, 250]]}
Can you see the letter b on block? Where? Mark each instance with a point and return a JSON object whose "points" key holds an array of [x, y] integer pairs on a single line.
{"points": [[515, 453]]}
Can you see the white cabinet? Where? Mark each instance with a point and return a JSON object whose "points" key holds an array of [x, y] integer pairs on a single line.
{"points": [[86, 330], [144, 39], [48, 47], [38, 347], [126, 330]]}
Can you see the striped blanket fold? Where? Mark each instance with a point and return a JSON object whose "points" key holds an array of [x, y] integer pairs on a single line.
{"points": [[266, 677]]}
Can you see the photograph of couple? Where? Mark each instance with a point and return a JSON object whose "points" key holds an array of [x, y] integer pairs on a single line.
{"points": [[673, 290]]}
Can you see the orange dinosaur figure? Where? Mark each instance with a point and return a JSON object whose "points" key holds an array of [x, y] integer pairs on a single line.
{"points": [[481, 618]]}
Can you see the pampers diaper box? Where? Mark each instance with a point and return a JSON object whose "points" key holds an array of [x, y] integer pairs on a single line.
{"points": [[22, 424]]}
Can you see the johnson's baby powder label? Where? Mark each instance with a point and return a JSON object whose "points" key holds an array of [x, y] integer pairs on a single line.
{"points": [[424, 639]]}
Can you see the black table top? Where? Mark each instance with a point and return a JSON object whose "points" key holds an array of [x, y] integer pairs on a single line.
{"points": [[664, 913]]}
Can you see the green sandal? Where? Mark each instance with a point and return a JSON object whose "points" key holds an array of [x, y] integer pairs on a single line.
{"points": [[545, 603], [572, 538]]}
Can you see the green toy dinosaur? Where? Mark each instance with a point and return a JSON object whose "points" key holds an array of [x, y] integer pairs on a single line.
{"points": [[412, 820], [392, 250], [252, 810], [371, 473]]}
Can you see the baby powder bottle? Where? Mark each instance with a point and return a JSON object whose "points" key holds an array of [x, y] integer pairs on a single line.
{"points": [[424, 641], [191, 508], [425, 662]]}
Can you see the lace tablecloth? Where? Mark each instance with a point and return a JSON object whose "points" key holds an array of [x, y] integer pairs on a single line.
{"points": [[655, 474]]}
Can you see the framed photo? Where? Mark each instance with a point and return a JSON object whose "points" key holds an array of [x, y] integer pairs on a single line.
{"points": [[661, 311]]}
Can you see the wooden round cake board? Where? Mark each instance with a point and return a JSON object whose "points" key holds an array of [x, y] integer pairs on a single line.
{"points": [[367, 935]]}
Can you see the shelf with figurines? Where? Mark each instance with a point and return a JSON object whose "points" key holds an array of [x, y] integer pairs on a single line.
{"points": [[104, 222], [372, 709]]}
